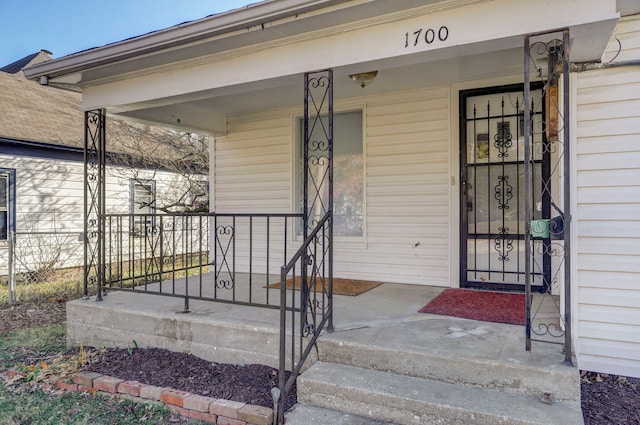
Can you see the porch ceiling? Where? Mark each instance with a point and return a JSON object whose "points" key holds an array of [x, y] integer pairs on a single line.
{"points": [[202, 110]]}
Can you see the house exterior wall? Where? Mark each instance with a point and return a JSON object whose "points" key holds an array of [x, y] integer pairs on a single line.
{"points": [[407, 188], [411, 154], [49, 207], [607, 215], [49, 214]]}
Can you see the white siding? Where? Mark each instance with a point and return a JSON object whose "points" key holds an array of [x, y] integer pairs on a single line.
{"points": [[253, 174], [406, 184], [48, 200], [49, 207], [407, 148], [626, 33], [608, 212], [253, 169]]}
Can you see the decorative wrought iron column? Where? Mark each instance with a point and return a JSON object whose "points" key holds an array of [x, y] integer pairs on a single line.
{"points": [[94, 200], [550, 232], [318, 185], [315, 255]]}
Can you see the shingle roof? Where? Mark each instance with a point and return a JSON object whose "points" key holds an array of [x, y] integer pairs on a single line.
{"points": [[32, 59], [33, 112]]}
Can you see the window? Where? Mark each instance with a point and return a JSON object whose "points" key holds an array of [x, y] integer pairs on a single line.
{"points": [[199, 196], [348, 170], [143, 197], [7, 202]]}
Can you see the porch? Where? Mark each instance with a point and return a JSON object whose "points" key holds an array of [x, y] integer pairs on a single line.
{"points": [[384, 360], [459, 371], [273, 153]]}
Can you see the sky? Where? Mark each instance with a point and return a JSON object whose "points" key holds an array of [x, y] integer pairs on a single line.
{"points": [[68, 26]]}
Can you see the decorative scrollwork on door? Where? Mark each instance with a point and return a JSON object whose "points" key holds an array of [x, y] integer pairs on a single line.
{"points": [[503, 192]]}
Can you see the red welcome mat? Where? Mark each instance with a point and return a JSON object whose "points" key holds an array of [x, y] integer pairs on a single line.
{"points": [[498, 307]]}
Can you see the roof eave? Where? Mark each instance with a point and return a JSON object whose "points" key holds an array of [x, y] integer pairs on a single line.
{"points": [[210, 26]]}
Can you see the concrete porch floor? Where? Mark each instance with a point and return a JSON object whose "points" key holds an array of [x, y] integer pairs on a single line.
{"points": [[385, 317], [407, 366]]}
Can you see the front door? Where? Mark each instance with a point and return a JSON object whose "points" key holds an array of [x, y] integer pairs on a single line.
{"points": [[492, 189]]}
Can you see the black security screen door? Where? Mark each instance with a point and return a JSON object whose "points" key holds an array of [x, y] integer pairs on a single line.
{"points": [[492, 190]]}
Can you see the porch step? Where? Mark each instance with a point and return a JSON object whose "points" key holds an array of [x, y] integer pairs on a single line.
{"points": [[213, 331], [304, 414], [490, 356], [408, 400]]}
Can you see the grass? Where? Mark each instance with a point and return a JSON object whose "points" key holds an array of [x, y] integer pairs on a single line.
{"points": [[28, 346], [31, 345], [35, 292], [36, 336], [62, 285], [30, 403], [66, 284], [40, 408]]}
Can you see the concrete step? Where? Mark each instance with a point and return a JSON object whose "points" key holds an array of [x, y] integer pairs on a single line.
{"points": [[303, 414], [407, 400], [487, 357], [212, 331]]}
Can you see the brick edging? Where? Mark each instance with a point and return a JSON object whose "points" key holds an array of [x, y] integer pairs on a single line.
{"points": [[193, 406]]}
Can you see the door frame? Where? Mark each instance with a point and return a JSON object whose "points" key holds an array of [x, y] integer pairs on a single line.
{"points": [[463, 94]]}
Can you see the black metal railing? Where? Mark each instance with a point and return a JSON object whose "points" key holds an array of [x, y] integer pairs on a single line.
{"points": [[233, 258], [306, 306]]}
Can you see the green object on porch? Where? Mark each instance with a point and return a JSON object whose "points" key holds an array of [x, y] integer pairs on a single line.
{"points": [[487, 306], [540, 228]]}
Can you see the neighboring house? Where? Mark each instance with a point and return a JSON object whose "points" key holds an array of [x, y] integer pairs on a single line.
{"points": [[42, 172], [429, 157]]}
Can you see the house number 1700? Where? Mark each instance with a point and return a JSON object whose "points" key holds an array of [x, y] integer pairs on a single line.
{"points": [[428, 36]]}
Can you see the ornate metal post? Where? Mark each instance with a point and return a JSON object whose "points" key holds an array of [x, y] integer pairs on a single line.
{"points": [[527, 191], [94, 200], [552, 236], [568, 352], [318, 175], [315, 256]]}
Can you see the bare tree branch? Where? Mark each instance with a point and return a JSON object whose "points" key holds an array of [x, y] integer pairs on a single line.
{"points": [[142, 151]]}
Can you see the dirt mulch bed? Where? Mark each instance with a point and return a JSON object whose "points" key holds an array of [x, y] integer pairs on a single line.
{"points": [[249, 384], [606, 399], [610, 399]]}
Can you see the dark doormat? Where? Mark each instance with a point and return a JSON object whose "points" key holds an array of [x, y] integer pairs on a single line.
{"points": [[487, 306], [341, 286]]}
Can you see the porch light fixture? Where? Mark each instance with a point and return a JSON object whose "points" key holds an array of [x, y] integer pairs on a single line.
{"points": [[364, 78]]}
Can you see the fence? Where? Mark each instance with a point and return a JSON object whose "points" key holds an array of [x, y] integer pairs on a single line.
{"points": [[38, 256]]}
